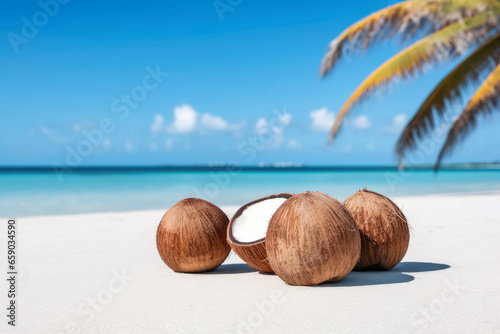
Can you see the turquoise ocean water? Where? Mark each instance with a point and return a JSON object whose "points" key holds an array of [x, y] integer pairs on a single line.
{"points": [[34, 192]]}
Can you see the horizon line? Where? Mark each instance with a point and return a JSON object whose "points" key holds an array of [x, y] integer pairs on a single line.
{"points": [[260, 167]]}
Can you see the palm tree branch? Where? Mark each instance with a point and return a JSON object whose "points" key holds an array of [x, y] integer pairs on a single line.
{"points": [[449, 41], [451, 88], [363, 33], [484, 102], [404, 18]]}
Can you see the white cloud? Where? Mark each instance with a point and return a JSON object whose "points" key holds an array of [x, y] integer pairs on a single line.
{"points": [[128, 146], [185, 118], [261, 126], [285, 119], [157, 124], [278, 123], [361, 122], [169, 143], [275, 127], [278, 138], [215, 123], [294, 144], [322, 120], [398, 122]]}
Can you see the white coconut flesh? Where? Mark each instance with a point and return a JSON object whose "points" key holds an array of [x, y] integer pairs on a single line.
{"points": [[252, 224]]}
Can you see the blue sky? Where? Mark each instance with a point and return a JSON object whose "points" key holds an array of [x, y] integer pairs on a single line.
{"points": [[176, 82]]}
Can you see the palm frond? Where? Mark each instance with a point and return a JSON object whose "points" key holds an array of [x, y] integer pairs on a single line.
{"points": [[365, 32], [404, 19], [446, 43], [449, 90], [484, 102]]}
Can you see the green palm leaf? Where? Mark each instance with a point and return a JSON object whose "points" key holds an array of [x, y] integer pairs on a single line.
{"points": [[483, 102], [450, 89], [405, 19], [445, 43]]}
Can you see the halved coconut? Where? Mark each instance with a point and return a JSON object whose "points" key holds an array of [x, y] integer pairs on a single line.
{"points": [[247, 230]]}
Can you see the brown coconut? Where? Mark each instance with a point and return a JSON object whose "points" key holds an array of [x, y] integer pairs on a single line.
{"points": [[384, 231], [252, 252], [191, 236], [312, 239]]}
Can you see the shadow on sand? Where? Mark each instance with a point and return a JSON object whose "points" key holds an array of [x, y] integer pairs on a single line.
{"points": [[418, 267], [233, 268], [362, 278], [397, 275]]}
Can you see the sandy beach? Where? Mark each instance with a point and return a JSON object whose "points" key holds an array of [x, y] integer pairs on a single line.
{"points": [[101, 273]]}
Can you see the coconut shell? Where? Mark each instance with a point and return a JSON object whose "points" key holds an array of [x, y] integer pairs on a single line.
{"points": [[253, 253], [191, 236], [383, 227], [312, 239]]}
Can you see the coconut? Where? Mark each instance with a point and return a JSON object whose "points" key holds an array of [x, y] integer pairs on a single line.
{"points": [[247, 229], [384, 231], [191, 236], [312, 239]]}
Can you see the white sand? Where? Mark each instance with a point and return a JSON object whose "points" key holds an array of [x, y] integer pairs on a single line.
{"points": [[68, 263]]}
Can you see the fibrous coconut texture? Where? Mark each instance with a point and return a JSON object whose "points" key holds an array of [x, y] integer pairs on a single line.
{"points": [[312, 239], [191, 236], [384, 230], [247, 230]]}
